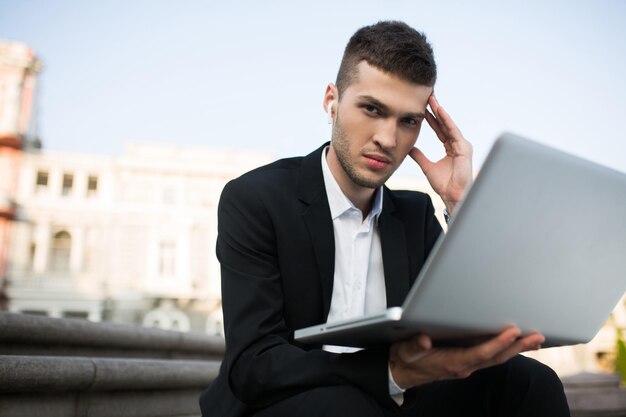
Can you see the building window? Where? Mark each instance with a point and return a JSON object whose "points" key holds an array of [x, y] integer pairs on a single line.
{"points": [[167, 259], [31, 256], [92, 185], [42, 181], [35, 312], [60, 252], [68, 181], [76, 315], [169, 196]]}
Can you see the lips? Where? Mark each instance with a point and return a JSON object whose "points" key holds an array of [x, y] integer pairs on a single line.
{"points": [[377, 161]]}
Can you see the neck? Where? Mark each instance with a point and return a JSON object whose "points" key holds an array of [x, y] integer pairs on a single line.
{"points": [[361, 197]]}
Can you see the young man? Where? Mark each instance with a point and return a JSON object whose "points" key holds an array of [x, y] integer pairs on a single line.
{"points": [[316, 238]]}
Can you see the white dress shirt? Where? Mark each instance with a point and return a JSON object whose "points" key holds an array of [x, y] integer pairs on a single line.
{"points": [[359, 280]]}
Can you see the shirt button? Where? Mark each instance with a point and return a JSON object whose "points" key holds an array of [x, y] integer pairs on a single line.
{"points": [[358, 285]]}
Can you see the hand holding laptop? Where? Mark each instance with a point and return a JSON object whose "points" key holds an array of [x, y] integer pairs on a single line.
{"points": [[415, 362]]}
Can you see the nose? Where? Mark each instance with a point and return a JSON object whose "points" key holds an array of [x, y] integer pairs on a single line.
{"points": [[385, 136]]}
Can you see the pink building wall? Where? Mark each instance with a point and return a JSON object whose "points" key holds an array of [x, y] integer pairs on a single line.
{"points": [[18, 79]]}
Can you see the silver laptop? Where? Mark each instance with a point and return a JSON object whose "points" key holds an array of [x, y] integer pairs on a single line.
{"points": [[539, 242]]}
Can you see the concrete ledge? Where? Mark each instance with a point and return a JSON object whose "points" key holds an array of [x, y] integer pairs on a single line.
{"points": [[52, 374], [33, 335], [595, 395], [66, 367], [170, 403]]}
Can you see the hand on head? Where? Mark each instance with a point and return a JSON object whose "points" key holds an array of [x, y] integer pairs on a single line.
{"points": [[452, 174]]}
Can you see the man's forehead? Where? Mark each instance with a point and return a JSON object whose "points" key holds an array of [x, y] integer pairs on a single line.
{"points": [[389, 89], [366, 69]]}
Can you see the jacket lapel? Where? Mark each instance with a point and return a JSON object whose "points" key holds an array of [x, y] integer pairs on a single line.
{"points": [[317, 217], [395, 257]]}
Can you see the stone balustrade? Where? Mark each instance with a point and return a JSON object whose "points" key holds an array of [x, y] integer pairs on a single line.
{"points": [[595, 395], [66, 367]]}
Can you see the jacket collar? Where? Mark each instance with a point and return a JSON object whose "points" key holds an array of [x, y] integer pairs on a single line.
{"points": [[394, 248], [317, 217]]}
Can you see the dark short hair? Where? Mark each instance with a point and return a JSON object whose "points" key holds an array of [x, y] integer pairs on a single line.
{"points": [[393, 47]]}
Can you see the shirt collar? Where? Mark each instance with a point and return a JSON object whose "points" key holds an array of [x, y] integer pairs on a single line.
{"points": [[338, 201]]}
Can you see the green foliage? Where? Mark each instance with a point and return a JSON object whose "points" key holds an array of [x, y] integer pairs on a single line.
{"points": [[620, 359]]}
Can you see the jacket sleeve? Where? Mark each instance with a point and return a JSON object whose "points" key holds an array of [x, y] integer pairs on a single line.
{"points": [[432, 228], [262, 364]]}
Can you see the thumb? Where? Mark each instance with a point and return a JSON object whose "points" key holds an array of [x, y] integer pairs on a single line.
{"points": [[418, 156], [412, 349]]}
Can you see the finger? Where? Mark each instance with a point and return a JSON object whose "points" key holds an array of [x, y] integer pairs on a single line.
{"points": [[436, 126], [530, 342], [450, 135], [537, 341], [442, 116], [436, 109], [412, 349], [422, 160], [433, 103], [447, 124], [485, 353], [422, 341], [406, 353]]}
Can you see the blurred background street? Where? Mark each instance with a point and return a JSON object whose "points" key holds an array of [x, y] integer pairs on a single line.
{"points": [[120, 122]]}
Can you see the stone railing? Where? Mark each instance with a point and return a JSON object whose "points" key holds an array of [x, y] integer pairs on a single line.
{"points": [[595, 395], [65, 367]]}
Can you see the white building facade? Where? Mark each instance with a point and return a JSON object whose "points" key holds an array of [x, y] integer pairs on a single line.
{"points": [[132, 239], [128, 238]]}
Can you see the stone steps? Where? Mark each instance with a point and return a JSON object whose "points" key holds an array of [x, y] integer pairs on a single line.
{"points": [[75, 368], [67, 367]]}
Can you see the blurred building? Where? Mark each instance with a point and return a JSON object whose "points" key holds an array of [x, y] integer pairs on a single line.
{"points": [[129, 238], [18, 80]]}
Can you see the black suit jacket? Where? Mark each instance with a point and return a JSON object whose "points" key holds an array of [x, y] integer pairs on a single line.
{"points": [[276, 249]]}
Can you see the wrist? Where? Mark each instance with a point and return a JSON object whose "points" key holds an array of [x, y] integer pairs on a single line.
{"points": [[397, 376], [447, 216], [407, 377], [450, 204], [394, 388]]}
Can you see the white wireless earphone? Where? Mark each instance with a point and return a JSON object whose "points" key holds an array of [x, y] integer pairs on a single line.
{"points": [[329, 110]]}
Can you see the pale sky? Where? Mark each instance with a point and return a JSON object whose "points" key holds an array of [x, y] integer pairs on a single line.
{"points": [[251, 74]]}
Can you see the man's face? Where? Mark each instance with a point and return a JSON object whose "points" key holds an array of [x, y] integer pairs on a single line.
{"points": [[377, 123]]}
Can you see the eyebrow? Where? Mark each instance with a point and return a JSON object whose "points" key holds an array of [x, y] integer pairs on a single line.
{"points": [[385, 108]]}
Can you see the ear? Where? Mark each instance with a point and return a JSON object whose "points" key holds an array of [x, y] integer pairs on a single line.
{"points": [[331, 99]]}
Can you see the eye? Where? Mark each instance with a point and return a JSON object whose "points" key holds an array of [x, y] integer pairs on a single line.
{"points": [[408, 121], [371, 109]]}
